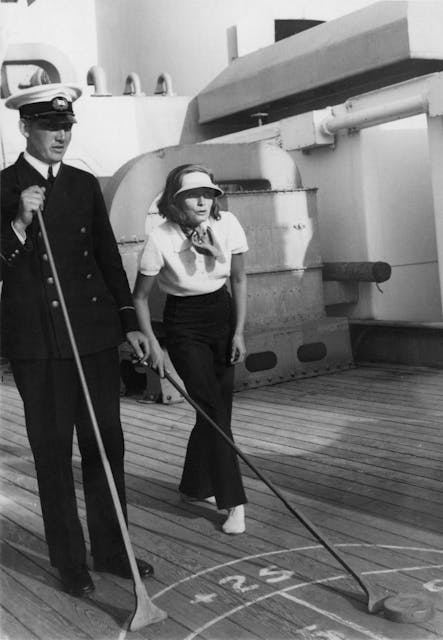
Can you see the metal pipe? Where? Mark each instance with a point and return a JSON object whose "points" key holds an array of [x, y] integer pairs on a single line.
{"points": [[164, 85], [356, 271], [97, 77], [371, 116], [133, 85]]}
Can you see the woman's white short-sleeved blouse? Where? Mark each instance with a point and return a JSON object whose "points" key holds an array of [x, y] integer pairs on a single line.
{"points": [[181, 269]]}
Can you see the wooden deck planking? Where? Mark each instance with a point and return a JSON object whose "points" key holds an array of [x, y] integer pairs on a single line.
{"points": [[285, 528], [317, 441], [431, 488], [14, 627], [210, 558]]}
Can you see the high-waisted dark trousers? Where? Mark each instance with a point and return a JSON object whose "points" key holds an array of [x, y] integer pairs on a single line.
{"points": [[54, 403], [198, 339]]}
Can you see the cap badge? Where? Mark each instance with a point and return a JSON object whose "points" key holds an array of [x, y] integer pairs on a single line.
{"points": [[59, 104]]}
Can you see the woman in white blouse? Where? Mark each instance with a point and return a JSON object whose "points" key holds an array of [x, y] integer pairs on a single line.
{"points": [[192, 254]]}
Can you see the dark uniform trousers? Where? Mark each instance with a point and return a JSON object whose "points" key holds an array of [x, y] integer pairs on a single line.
{"points": [[35, 340], [54, 403], [198, 338]]}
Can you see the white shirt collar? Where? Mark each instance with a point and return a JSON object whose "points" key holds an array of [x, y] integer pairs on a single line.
{"points": [[40, 166], [179, 241]]}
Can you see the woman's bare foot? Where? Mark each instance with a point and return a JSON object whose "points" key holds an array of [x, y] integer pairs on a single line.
{"points": [[235, 522]]}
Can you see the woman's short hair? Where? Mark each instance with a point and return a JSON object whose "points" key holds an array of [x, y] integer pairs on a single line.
{"points": [[167, 206]]}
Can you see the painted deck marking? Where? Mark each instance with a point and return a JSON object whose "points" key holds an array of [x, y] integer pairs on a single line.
{"points": [[232, 562], [333, 616], [276, 574], [387, 546], [285, 592], [420, 568], [214, 621], [434, 586], [295, 549], [238, 583], [203, 597], [314, 632]]}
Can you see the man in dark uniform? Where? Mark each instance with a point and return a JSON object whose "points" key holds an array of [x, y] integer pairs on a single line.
{"points": [[35, 339]]}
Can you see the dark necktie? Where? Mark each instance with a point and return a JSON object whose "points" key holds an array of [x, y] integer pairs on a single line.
{"points": [[50, 180], [51, 176]]}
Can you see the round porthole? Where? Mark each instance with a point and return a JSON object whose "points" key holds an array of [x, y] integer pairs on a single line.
{"points": [[261, 361], [312, 352]]}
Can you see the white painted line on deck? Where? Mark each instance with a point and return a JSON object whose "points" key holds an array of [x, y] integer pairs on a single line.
{"points": [[232, 562], [335, 617], [305, 548], [285, 592], [396, 547], [399, 569], [229, 613]]}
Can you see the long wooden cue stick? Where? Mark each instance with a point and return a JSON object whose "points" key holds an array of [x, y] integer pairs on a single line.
{"points": [[146, 612], [375, 594]]}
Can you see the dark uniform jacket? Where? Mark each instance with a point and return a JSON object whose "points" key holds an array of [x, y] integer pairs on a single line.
{"points": [[88, 263]]}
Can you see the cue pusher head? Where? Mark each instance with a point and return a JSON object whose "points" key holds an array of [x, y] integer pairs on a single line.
{"points": [[408, 608]]}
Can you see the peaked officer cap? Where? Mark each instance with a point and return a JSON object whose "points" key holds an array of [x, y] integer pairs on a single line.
{"points": [[46, 101]]}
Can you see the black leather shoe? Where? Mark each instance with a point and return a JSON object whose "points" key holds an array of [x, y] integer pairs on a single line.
{"points": [[119, 566], [77, 582]]}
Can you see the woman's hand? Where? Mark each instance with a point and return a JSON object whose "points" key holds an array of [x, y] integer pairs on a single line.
{"points": [[157, 356], [238, 350], [154, 355]]}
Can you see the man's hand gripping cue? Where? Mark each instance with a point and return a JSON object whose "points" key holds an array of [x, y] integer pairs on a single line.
{"points": [[32, 200]]}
